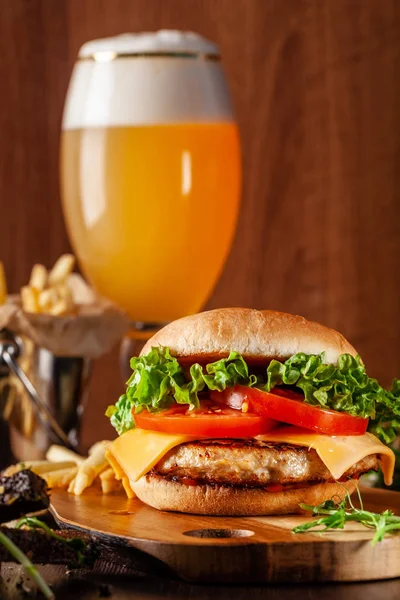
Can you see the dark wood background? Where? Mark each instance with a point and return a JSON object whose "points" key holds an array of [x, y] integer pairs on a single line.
{"points": [[316, 85]]}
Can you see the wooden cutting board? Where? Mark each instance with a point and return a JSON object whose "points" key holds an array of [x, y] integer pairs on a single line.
{"points": [[234, 549]]}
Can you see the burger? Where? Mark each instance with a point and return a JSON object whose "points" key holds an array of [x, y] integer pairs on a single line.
{"points": [[244, 412]]}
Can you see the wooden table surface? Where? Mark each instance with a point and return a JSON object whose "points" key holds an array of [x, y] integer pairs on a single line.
{"points": [[111, 581]]}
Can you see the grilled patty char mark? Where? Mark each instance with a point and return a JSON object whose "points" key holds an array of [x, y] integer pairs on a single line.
{"points": [[251, 463]]}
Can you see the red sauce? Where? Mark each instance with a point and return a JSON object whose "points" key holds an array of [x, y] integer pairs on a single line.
{"points": [[188, 481]]}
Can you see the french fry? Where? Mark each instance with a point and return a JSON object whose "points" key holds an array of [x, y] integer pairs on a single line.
{"points": [[47, 466], [61, 478], [29, 298], [107, 475], [48, 293], [9, 407], [44, 466], [90, 468], [38, 466], [110, 486], [98, 445], [62, 268], [59, 309], [64, 301], [66, 469], [3, 284], [11, 470], [60, 453], [108, 481], [38, 279], [71, 486], [57, 300], [28, 420], [65, 293], [47, 298]]}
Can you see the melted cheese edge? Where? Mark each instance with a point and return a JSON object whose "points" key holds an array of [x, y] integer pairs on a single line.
{"points": [[135, 452], [338, 453]]}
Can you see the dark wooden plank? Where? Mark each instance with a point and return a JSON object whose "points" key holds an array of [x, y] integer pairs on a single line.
{"points": [[123, 585], [316, 88]]}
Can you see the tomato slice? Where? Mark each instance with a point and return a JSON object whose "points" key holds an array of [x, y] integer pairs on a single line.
{"points": [[289, 407], [211, 420]]}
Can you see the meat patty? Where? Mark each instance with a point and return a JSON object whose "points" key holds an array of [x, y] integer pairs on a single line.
{"points": [[251, 463]]}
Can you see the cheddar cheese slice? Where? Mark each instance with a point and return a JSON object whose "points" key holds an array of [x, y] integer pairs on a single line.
{"points": [[134, 453], [338, 453]]}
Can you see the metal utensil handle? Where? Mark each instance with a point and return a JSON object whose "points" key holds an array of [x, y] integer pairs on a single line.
{"points": [[43, 413]]}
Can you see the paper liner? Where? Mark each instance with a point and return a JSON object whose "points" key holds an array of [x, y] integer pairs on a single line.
{"points": [[95, 328]]}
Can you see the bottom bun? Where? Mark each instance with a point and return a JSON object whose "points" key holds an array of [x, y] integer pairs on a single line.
{"points": [[164, 494]]}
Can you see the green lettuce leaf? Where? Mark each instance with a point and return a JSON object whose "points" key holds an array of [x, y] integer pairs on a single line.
{"points": [[344, 387], [120, 415], [158, 381]]}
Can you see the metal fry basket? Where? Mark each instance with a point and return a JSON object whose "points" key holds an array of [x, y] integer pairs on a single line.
{"points": [[54, 391]]}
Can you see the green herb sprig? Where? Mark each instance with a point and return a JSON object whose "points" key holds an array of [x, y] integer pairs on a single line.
{"points": [[29, 567], [76, 543], [336, 515]]}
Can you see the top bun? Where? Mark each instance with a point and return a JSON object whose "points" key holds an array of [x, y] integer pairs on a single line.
{"points": [[259, 335]]}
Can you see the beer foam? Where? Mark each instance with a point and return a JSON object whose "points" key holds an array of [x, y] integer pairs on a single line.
{"points": [[165, 40], [117, 82]]}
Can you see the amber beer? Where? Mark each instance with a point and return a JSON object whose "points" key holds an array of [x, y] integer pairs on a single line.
{"points": [[150, 167]]}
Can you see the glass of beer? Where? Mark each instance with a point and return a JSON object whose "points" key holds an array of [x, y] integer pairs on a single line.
{"points": [[150, 171]]}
